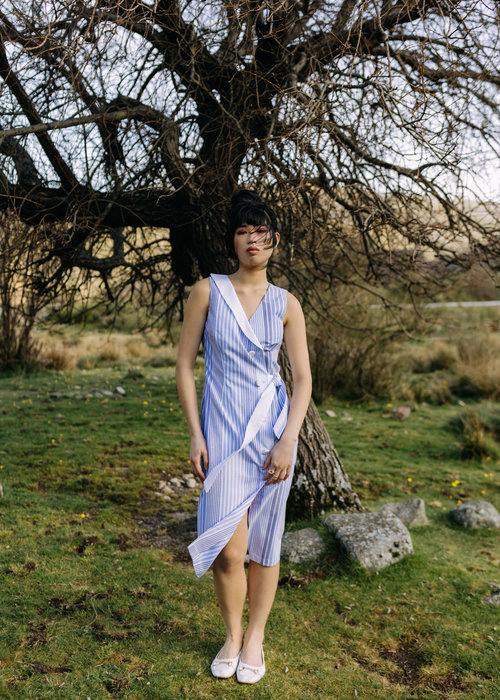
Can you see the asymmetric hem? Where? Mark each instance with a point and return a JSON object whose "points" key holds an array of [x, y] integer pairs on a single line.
{"points": [[244, 409]]}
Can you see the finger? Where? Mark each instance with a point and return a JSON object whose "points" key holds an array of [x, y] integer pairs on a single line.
{"points": [[195, 461], [267, 462]]}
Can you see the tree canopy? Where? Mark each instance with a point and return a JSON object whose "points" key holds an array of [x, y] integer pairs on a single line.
{"points": [[366, 123]]}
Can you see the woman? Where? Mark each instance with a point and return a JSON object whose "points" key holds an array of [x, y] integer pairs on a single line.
{"points": [[245, 448]]}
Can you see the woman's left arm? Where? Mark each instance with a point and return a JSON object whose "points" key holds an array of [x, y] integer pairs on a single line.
{"points": [[280, 458], [296, 345]]}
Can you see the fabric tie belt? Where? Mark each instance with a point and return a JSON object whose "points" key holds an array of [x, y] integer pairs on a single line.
{"points": [[256, 421]]}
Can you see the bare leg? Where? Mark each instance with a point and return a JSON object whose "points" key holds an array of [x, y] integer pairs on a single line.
{"points": [[262, 584], [231, 587]]}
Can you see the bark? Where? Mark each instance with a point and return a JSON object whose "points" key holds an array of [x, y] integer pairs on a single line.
{"points": [[320, 481]]}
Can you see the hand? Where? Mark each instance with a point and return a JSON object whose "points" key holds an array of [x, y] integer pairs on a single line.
{"points": [[197, 453], [279, 461]]}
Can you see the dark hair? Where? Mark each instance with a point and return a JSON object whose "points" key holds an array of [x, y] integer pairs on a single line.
{"points": [[248, 208]]}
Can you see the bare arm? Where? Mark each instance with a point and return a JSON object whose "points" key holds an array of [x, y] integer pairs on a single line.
{"points": [[296, 345], [195, 315]]}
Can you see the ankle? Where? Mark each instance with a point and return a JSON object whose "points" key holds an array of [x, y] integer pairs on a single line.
{"points": [[254, 638]]}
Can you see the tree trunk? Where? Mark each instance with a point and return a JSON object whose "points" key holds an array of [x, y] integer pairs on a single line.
{"points": [[320, 481]]}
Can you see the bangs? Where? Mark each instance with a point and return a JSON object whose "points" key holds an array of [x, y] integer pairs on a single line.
{"points": [[252, 215]]}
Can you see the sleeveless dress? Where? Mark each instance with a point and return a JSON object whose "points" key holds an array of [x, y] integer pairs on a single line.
{"points": [[244, 409]]}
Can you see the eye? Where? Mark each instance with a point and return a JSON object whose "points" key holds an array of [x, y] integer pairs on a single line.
{"points": [[240, 231]]}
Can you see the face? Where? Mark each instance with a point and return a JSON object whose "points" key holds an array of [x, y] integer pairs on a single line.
{"points": [[254, 244]]}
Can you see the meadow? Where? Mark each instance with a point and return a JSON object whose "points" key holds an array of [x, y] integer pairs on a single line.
{"points": [[91, 609]]}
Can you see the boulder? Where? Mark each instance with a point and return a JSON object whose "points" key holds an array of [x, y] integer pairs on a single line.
{"points": [[411, 513], [302, 545], [475, 514], [374, 540]]}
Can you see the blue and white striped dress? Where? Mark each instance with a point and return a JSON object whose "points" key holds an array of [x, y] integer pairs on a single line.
{"points": [[244, 410]]}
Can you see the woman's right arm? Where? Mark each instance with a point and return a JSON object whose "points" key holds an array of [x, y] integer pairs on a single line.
{"points": [[195, 314]]}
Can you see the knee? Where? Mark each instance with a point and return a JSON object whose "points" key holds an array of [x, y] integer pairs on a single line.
{"points": [[230, 557]]}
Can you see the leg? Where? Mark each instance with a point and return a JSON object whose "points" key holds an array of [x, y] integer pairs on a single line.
{"points": [[262, 584], [231, 587]]}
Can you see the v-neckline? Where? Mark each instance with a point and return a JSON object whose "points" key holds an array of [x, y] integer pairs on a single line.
{"points": [[241, 305]]}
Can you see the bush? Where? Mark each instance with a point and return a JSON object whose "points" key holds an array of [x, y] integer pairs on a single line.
{"points": [[477, 441]]}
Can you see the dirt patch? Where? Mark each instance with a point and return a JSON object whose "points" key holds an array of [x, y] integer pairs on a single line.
{"points": [[170, 531]]}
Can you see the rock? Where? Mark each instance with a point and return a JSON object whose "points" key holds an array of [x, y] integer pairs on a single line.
{"points": [[187, 475], [59, 416], [191, 483], [120, 390], [494, 597], [55, 395], [330, 413], [163, 486], [346, 416], [411, 513], [402, 412], [107, 392], [177, 483], [436, 504], [475, 514], [1, 491], [164, 496], [302, 545], [461, 403], [374, 540], [97, 394]]}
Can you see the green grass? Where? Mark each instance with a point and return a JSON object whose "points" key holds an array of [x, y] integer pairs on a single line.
{"points": [[88, 610]]}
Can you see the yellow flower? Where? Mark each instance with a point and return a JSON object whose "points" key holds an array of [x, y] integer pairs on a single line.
{"points": [[145, 461], [483, 492], [189, 461], [410, 479], [388, 404], [83, 515], [455, 483], [488, 458], [144, 403], [1, 466], [459, 502]]}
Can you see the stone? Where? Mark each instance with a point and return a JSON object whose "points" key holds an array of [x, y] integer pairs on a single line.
{"points": [[177, 483], [302, 545], [411, 513], [475, 514], [374, 540], [402, 412], [120, 390], [107, 392], [163, 486], [330, 413], [494, 597], [187, 475], [436, 504], [191, 483]]}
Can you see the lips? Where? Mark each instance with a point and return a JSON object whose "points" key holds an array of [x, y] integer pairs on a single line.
{"points": [[252, 250]]}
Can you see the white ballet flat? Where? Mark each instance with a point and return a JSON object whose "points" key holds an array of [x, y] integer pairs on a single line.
{"points": [[224, 668], [250, 674]]}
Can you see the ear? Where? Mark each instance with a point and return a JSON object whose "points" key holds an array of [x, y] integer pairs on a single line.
{"points": [[277, 238]]}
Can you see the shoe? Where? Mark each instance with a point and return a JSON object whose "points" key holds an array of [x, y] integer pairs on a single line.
{"points": [[250, 674], [224, 668]]}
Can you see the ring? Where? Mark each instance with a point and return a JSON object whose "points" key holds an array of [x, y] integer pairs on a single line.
{"points": [[271, 471]]}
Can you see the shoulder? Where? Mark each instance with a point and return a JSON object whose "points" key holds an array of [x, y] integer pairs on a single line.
{"points": [[200, 292], [293, 308]]}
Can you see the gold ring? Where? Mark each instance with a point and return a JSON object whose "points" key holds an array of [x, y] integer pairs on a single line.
{"points": [[271, 471]]}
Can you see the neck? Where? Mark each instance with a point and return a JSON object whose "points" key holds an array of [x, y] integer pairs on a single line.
{"points": [[251, 277]]}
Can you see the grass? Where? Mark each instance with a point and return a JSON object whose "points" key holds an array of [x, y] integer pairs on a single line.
{"points": [[89, 610]]}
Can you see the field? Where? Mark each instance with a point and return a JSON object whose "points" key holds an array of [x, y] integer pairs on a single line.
{"points": [[91, 609]]}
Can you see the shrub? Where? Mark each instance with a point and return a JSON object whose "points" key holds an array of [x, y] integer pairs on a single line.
{"points": [[477, 442]]}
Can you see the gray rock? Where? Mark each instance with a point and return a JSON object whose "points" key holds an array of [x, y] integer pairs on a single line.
{"points": [[177, 483], [475, 514], [411, 513], [107, 392], [374, 540], [402, 412], [302, 545], [494, 597], [163, 486], [191, 483], [330, 413], [120, 390]]}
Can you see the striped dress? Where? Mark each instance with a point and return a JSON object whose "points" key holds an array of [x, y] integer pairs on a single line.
{"points": [[244, 410]]}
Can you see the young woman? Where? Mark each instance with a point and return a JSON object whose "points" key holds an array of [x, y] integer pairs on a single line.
{"points": [[245, 448]]}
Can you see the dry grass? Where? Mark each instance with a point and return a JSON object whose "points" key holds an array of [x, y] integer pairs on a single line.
{"points": [[69, 349]]}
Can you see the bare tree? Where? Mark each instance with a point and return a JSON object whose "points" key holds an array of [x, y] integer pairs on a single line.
{"points": [[366, 122]]}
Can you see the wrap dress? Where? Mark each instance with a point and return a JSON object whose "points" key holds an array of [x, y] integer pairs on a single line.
{"points": [[244, 409]]}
